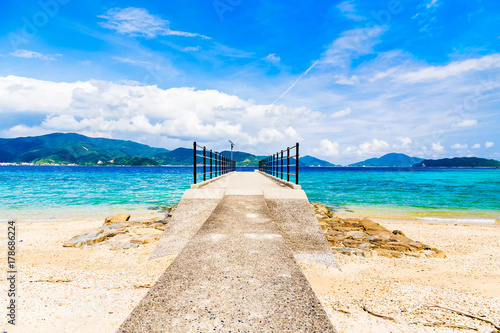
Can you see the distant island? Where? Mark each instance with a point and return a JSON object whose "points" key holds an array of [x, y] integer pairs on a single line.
{"points": [[314, 162], [389, 160], [459, 162], [77, 149]]}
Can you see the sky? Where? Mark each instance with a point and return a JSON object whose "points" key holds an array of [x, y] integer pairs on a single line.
{"points": [[349, 80]]}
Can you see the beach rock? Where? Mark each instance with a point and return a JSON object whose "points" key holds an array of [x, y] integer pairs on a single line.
{"points": [[398, 232], [388, 253], [128, 246], [88, 239], [366, 238], [117, 218], [119, 230], [369, 225]]}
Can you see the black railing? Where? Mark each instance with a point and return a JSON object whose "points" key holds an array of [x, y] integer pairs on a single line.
{"points": [[274, 164], [213, 164]]}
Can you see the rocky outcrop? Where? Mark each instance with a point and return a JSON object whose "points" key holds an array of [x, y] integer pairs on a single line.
{"points": [[363, 237], [117, 218], [118, 232]]}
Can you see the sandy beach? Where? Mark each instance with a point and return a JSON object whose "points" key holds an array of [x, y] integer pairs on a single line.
{"points": [[93, 289]]}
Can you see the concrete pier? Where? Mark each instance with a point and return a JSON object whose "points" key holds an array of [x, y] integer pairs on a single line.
{"points": [[239, 241]]}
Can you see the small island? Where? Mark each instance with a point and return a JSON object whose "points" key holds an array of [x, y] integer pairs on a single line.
{"points": [[459, 162]]}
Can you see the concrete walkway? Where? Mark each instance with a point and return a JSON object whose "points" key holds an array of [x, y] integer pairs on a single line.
{"points": [[237, 270]]}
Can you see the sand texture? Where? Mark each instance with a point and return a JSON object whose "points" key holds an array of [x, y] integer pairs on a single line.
{"points": [[94, 289]]}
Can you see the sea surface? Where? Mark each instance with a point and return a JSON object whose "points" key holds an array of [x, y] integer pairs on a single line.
{"points": [[45, 193]]}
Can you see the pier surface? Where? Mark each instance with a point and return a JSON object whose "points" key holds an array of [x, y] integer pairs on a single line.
{"points": [[239, 241]]}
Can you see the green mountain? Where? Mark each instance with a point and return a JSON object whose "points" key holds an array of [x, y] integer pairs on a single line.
{"points": [[242, 158], [460, 162], [389, 160], [70, 148], [313, 161]]}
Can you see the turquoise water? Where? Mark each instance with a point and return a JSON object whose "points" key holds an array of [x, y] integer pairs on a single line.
{"points": [[470, 194], [36, 193]]}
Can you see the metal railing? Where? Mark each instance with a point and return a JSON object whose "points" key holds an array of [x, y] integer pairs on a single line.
{"points": [[213, 164], [274, 164]]}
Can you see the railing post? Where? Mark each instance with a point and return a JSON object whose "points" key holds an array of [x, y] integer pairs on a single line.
{"points": [[297, 165], [204, 163], [194, 161], [274, 165], [287, 164], [281, 159], [210, 163]]}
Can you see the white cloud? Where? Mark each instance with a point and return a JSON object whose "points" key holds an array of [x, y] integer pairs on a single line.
{"points": [[349, 10], [489, 144], [192, 48], [432, 3], [341, 113], [459, 146], [136, 110], [32, 55], [139, 22], [352, 44], [467, 123], [476, 146], [327, 148], [342, 79], [273, 58], [372, 147], [405, 142], [437, 147], [453, 69]]}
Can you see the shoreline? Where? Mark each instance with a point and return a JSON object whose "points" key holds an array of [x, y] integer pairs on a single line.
{"points": [[93, 213], [256, 166]]}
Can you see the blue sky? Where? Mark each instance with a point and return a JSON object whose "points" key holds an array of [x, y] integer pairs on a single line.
{"points": [[350, 80]]}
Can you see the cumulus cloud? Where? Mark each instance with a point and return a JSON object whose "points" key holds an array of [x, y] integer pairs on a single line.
{"points": [[341, 113], [437, 147], [138, 22], [327, 148], [489, 144], [178, 113], [372, 147], [404, 142], [476, 146], [459, 146]]}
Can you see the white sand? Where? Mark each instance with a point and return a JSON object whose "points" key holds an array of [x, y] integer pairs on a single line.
{"points": [[103, 286], [467, 280]]}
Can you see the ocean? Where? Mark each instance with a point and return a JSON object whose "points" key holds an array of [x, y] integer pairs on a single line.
{"points": [[47, 193]]}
